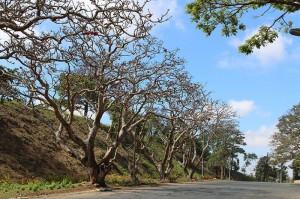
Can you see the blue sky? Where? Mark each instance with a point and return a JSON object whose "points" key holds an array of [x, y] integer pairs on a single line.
{"points": [[261, 87]]}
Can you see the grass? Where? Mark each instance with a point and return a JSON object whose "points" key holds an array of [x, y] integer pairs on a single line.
{"points": [[38, 187], [8, 190]]}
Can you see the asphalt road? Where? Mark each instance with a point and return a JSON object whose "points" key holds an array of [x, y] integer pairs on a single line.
{"points": [[207, 190]]}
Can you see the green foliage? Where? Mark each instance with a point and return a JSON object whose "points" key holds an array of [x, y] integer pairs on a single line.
{"points": [[264, 36], [285, 141], [36, 186], [266, 172], [248, 157], [229, 16], [228, 144], [263, 169], [296, 168]]}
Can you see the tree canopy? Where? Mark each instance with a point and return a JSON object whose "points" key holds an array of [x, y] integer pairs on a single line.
{"points": [[286, 140], [230, 17]]}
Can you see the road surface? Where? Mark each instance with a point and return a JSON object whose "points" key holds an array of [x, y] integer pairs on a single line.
{"points": [[207, 190]]}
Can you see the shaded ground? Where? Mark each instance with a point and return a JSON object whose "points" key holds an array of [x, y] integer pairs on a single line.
{"points": [[208, 190]]}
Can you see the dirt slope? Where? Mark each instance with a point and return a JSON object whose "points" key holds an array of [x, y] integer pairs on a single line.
{"points": [[28, 148]]}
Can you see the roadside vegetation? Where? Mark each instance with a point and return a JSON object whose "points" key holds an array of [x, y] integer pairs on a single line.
{"points": [[12, 189]]}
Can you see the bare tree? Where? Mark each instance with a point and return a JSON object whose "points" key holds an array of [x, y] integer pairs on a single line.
{"points": [[210, 118], [48, 21], [174, 120], [97, 55]]}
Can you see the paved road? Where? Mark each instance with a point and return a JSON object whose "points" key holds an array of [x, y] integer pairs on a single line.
{"points": [[208, 190]]}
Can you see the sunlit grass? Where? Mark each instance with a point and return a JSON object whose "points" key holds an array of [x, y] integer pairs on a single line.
{"points": [[8, 189]]}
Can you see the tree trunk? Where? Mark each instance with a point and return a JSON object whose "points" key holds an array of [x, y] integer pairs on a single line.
{"points": [[93, 174], [161, 171], [101, 177], [191, 173], [97, 175]]}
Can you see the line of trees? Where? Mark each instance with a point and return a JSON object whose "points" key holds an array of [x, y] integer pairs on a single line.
{"points": [[100, 57]]}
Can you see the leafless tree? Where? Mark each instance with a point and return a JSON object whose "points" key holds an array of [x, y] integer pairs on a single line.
{"points": [[47, 21], [102, 55], [211, 117], [174, 120]]}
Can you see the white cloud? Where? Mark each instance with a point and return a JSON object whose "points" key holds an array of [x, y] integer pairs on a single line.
{"points": [[263, 58], [243, 107], [261, 137], [274, 52]]}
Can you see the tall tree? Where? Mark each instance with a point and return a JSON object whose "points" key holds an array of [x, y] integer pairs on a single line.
{"points": [[231, 16], [178, 113], [106, 57], [248, 159], [296, 168], [264, 172], [286, 141], [227, 146]]}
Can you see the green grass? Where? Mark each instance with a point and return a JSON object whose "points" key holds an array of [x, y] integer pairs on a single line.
{"points": [[8, 189]]}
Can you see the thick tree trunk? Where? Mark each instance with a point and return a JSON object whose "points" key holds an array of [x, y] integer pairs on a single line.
{"points": [[94, 173], [101, 177], [191, 173], [161, 172], [97, 175]]}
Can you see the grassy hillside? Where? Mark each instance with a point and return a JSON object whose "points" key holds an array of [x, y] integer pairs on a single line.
{"points": [[28, 149]]}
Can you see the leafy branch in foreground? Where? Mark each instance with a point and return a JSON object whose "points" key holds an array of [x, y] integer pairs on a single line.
{"points": [[231, 16]]}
